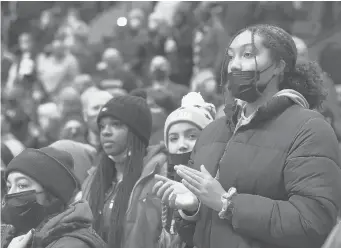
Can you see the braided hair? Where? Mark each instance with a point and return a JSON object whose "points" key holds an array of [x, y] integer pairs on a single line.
{"points": [[305, 77]]}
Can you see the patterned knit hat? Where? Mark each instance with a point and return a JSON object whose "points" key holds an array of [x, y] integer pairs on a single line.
{"points": [[193, 110], [133, 111], [51, 168]]}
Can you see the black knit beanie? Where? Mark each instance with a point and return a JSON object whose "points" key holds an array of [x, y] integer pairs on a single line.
{"points": [[6, 154], [133, 111], [51, 168]]}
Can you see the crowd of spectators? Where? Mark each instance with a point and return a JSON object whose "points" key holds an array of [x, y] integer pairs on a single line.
{"points": [[53, 81]]}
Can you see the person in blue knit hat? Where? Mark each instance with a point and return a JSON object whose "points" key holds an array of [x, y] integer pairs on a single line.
{"points": [[119, 191]]}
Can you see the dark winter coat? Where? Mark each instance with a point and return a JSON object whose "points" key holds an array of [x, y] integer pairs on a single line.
{"points": [[285, 167], [72, 228], [142, 225]]}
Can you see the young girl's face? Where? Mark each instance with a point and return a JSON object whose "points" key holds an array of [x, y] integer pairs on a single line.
{"points": [[243, 52], [182, 137], [18, 182]]}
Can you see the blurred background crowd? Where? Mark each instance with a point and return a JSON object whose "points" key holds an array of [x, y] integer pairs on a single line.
{"points": [[62, 61]]}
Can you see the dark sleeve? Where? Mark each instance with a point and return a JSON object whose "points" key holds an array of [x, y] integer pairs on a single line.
{"points": [[185, 228], [312, 179], [68, 242]]}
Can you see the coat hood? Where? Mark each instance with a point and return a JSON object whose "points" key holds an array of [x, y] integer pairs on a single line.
{"points": [[82, 154], [156, 156], [69, 228], [78, 212]]}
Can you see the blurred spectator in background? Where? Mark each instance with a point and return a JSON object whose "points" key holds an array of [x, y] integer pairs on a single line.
{"points": [[74, 130], [74, 30], [113, 76], [330, 63], [166, 9], [23, 70], [45, 28], [281, 14], [69, 105], [58, 69], [178, 47], [20, 116], [210, 39], [160, 72], [157, 35], [82, 82], [92, 104], [131, 40], [49, 121], [161, 104], [7, 60]]}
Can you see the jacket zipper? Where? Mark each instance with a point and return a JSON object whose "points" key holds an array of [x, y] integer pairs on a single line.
{"points": [[136, 184]]}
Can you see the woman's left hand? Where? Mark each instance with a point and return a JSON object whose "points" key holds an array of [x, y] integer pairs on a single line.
{"points": [[21, 241], [203, 185]]}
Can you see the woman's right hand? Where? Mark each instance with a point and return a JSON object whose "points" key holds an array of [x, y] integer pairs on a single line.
{"points": [[176, 194]]}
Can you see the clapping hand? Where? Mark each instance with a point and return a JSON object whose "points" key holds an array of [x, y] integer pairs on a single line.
{"points": [[203, 185], [176, 194], [21, 241]]}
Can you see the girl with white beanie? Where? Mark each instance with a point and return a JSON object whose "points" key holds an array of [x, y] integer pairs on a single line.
{"points": [[182, 129]]}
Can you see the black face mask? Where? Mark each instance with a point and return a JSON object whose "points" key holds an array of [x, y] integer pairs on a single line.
{"points": [[177, 159], [22, 211], [243, 84], [159, 74]]}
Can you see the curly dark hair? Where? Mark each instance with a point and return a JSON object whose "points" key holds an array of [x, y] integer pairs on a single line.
{"points": [[304, 77]]}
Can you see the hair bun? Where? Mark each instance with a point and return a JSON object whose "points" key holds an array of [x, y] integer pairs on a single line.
{"points": [[139, 93]]}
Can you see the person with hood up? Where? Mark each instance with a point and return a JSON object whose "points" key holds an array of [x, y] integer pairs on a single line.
{"points": [[51, 213], [83, 156], [268, 173], [126, 214], [181, 131], [92, 105]]}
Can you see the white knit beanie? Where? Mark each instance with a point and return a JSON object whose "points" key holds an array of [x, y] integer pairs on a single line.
{"points": [[193, 110]]}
